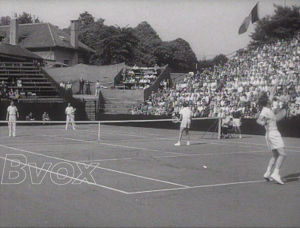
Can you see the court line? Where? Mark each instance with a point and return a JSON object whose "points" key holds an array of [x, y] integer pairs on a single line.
{"points": [[97, 167], [194, 187], [145, 149], [59, 174], [115, 145], [206, 186], [176, 156], [138, 192], [195, 141]]}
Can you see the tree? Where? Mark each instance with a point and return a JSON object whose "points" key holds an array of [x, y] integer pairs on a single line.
{"points": [[205, 64], [177, 54], [26, 18], [148, 40], [284, 24], [117, 46], [220, 60], [5, 20]]}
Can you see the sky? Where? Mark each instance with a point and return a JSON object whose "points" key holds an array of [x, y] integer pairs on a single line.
{"points": [[209, 26]]}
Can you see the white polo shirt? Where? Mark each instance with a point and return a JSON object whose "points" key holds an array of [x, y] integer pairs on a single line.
{"points": [[12, 110]]}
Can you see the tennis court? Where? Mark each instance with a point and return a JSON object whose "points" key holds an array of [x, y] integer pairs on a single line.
{"points": [[136, 177]]}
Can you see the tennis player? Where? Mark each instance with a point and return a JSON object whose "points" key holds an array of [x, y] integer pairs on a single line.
{"points": [[237, 116], [11, 117], [268, 119], [186, 119], [70, 112]]}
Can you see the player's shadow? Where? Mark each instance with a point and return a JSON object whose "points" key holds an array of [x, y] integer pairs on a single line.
{"points": [[292, 177], [198, 143]]}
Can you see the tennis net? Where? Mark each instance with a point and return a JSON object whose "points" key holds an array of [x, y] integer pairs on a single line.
{"points": [[113, 129]]}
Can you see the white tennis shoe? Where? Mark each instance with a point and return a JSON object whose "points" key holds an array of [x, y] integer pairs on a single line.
{"points": [[267, 177], [277, 178], [177, 144]]}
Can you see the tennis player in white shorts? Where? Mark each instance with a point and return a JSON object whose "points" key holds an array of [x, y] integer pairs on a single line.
{"points": [[237, 115], [11, 117], [268, 119], [70, 116], [186, 119]]}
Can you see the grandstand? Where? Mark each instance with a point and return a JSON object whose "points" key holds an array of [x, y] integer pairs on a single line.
{"points": [[239, 82], [34, 85]]}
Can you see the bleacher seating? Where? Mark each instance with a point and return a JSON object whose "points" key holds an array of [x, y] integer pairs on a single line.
{"points": [[119, 106], [139, 77], [29, 80], [239, 83]]}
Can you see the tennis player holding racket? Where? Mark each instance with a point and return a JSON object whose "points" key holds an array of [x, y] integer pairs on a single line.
{"points": [[268, 119], [70, 112], [186, 119]]}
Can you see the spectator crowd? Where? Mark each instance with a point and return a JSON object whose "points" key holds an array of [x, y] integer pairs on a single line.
{"points": [[140, 77], [236, 85]]}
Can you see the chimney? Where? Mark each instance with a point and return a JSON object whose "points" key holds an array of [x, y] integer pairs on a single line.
{"points": [[13, 33], [74, 33]]}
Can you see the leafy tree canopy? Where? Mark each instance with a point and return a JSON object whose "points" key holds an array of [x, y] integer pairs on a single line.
{"points": [[284, 24], [140, 45], [5, 20], [26, 18], [218, 60]]}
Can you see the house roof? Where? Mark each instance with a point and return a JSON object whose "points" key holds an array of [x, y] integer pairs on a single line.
{"points": [[40, 35], [16, 50]]}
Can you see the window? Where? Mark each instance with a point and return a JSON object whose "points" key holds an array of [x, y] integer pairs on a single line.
{"points": [[66, 62]]}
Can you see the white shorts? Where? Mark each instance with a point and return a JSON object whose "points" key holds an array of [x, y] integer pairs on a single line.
{"points": [[236, 122], [185, 123], [274, 140]]}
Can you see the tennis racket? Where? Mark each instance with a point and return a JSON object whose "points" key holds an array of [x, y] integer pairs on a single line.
{"points": [[175, 119]]}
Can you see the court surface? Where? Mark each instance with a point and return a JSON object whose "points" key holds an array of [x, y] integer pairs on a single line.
{"points": [[136, 177]]}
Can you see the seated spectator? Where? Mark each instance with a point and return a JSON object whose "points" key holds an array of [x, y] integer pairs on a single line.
{"points": [[30, 117], [19, 83], [227, 126], [17, 95], [11, 94], [45, 117], [62, 85]]}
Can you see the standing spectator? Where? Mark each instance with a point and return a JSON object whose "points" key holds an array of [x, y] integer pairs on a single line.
{"points": [[88, 87], [69, 87], [97, 87], [81, 85], [11, 117]]}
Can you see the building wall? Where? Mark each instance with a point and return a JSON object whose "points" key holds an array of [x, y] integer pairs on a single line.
{"points": [[64, 56], [60, 55]]}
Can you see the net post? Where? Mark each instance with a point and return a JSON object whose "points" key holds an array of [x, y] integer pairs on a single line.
{"points": [[99, 132], [219, 128]]}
